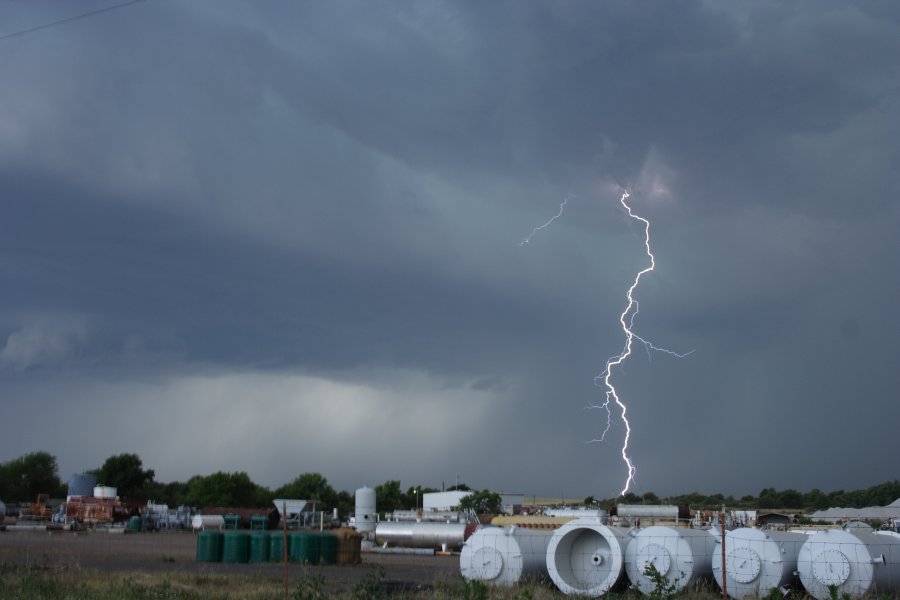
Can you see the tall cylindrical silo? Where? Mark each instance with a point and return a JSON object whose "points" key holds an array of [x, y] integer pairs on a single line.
{"points": [[366, 515], [682, 556], [757, 561], [82, 484], [854, 562], [504, 556], [586, 558]]}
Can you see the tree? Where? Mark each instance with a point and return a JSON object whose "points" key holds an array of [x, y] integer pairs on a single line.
{"points": [[22, 479], [589, 501], [125, 472], [226, 489], [388, 496], [483, 502], [310, 486]]}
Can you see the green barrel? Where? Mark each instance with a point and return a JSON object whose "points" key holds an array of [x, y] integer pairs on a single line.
{"points": [[276, 546], [327, 548], [134, 523], [304, 547], [259, 546], [236, 547], [209, 546]]}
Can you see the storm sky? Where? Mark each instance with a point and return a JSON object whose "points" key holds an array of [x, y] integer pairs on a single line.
{"points": [[282, 237]]}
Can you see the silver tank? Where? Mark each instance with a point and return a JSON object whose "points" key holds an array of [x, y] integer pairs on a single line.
{"points": [[758, 561], [853, 562], [502, 556], [413, 534], [682, 556], [586, 558]]}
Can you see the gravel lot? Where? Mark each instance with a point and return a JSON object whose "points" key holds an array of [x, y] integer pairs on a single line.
{"points": [[175, 552]]}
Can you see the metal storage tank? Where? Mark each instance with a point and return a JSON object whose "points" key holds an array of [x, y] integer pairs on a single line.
{"points": [[503, 556], [757, 561], [586, 558], [854, 561], [104, 491], [82, 484], [366, 517], [682, 556], [421, 535], [647, 511], [204, 522]]}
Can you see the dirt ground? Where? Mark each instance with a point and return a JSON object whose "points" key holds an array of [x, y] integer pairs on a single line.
{"points": [[176, 552]]}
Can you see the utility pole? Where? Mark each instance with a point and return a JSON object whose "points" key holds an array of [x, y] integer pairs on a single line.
{"points": [[724, 578]]}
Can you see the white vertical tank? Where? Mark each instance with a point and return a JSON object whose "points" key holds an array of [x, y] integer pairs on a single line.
{"points": [[504, 556], [757, 561], [682, 556], [586, 558], [854, 561], [366, 515]]}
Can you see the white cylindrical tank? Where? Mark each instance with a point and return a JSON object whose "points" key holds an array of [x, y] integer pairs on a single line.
{"points": [[757, 561], [682, 556], [104, 491], [366, 515], [199, 522], [586, 558], [647, 511], [854, 561], [503, 556], [413, 534]]}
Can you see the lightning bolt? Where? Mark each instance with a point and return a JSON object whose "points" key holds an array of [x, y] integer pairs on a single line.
{"points": [[562, 208], [626, 320]]}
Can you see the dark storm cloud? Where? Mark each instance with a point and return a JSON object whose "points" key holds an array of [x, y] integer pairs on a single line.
{"points": [[316, 208]]}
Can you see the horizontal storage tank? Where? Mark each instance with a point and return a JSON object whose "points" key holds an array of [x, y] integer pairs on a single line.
{"points": [[421, 535], [682, 556], [577, 513], [365, 513], [647, 511], [757, 561], [855, 561], [503, 556], [586, 558], [82, 484], [203, 522]]}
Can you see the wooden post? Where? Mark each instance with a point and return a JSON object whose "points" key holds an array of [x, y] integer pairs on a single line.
{"points": [[724, 577], [284, 547]]}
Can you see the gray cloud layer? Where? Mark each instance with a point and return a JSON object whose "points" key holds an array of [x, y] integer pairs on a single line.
{"points": [[294, 228]]}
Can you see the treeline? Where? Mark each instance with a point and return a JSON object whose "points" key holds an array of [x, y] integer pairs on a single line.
{"points": [[37, 472], [23, 478], [877, 495]]}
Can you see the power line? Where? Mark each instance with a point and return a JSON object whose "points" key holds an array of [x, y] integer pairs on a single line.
{"points": [[69, 19]]}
